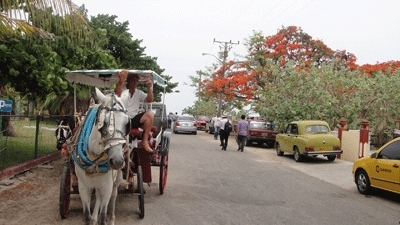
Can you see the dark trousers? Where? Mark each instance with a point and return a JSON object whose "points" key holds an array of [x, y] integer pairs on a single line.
{"points": [[169, 123], [241, 140], [223, 137]]}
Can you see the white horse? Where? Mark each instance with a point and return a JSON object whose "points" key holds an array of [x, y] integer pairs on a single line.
{"points": [[99, 168]]}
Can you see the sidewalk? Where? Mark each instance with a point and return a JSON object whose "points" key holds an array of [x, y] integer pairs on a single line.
{"points": [[337, 172]]}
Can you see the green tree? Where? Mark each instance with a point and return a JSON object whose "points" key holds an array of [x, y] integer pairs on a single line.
{"points": [[331, 92], [35, 67], [17, 17], [204, 108], [127, 51]]}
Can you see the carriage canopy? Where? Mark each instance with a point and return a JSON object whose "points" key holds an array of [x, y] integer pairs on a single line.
{"points": [[106, 78]]}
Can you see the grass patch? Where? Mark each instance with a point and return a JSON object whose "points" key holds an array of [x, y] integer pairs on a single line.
{"points": [[15, 150]]}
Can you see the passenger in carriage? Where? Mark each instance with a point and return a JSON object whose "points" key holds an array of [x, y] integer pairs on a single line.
{"points": [[131, 98]]}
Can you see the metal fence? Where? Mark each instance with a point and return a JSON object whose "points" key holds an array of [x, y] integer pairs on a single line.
{"points": [[34, 137]]}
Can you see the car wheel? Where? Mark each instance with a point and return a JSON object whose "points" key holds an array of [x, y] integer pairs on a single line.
{"points": [[362, 181], [297, 156], [195, 133], [331, 157], [278, 150]]}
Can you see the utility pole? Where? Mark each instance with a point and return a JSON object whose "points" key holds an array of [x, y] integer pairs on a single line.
{"points": [[226, 46], [199, 86]]}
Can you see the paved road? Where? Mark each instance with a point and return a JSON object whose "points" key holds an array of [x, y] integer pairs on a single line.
{"points": [[209, 186], [337, 173]]}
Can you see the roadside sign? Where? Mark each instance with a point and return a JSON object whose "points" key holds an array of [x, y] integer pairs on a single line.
{"points": [[5, 105]]}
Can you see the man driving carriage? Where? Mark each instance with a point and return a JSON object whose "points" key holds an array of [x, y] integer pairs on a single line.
{"points": [[131, 98]]}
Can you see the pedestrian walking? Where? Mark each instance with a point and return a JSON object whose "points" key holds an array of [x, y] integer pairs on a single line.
{"points": [[225, 131], [216, 121], [243, 128], [174, 118], [169, 119]]}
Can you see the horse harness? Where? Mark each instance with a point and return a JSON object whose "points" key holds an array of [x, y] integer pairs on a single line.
{"points": [[95, 164]]}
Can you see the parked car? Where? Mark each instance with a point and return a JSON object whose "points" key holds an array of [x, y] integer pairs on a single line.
{"points": [[210, 127], [202, 122], [261, 132], [308, 138], [379, 170], [185, 124]]}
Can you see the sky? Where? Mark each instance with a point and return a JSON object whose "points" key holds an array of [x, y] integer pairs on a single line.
{"points": [[177, 32]]}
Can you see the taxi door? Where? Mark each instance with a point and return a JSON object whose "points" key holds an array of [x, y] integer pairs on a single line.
{"points": [[385, 169]]}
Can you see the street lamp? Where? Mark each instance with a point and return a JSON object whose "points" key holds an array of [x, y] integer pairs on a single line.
{"points": [[223, 74], [219, 60]]}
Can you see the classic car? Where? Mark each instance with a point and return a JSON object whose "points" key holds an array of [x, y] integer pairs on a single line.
{"points": [[202, 122], [261, 132], [379, 170], [308, 138]]}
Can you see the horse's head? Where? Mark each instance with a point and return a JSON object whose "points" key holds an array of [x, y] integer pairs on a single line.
{"points": [[111, 123], [63, 131]]}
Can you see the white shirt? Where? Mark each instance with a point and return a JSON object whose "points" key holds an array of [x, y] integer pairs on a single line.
{"points": [[132, 103], [217, 121], [222, 123]]}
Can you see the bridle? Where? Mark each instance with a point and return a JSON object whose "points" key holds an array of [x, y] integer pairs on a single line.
{"points": [[108, 133], [95, 164]]}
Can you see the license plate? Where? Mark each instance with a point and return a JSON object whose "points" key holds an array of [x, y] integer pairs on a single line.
{"points": [[184, 125], [264, 134], [324, 148]]}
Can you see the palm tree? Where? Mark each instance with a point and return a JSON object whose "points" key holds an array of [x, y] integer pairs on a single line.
{"points": [[16, 17], [19, 17]]}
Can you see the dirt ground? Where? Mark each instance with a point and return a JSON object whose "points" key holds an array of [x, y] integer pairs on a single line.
{"points": [[29, 198]]}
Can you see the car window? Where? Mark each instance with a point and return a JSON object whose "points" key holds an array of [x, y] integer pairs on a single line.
{"points": [[316, 128], [292, 129], [205, 118], [288, 129], [186, 118], [261, 125], [392, 151]]}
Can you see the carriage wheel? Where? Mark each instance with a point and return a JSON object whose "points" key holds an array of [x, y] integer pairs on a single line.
{"points": [[65, 191], [163, 173], [141, 191]]}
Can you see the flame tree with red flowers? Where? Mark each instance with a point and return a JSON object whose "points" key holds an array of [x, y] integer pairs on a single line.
{"points": [[290, 75]]}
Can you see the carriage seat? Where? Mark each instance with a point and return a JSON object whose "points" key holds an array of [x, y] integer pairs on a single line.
{"points": [[137, 133]]}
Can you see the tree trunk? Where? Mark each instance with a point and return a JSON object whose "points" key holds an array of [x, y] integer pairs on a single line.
{"points": [[7, 128]]}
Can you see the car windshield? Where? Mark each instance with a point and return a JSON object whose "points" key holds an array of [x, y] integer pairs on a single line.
{"points": [[190, 118], [205, 118], [261, 125], [317, 128]]}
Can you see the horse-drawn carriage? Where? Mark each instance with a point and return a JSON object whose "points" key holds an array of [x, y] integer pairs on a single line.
{"points": [[96, 148]]}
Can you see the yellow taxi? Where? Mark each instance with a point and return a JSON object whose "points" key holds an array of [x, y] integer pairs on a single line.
{"points": [[379, 170]]}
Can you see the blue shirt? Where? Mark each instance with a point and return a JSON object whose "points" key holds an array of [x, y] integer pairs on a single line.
{"points": [[242, 127]]}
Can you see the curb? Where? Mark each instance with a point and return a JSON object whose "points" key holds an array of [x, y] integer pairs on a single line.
{"points": [[23, 167]]}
